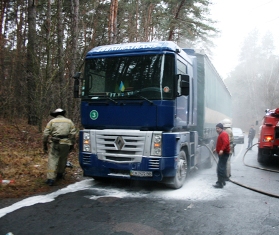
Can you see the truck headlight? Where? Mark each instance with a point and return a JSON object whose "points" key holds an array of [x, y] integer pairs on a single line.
{"points": [[156, 148], [86, 142]]}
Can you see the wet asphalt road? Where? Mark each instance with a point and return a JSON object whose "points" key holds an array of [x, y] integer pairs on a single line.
{"points": [[139, 208]]}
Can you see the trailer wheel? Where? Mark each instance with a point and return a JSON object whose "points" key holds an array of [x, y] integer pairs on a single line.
{"points": [[181, 172]]}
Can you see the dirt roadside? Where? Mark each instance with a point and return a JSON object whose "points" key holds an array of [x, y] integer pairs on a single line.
{"points": [[23, 161]]}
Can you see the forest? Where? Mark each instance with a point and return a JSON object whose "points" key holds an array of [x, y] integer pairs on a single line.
{"points": [[254, 81], [43, 43]]}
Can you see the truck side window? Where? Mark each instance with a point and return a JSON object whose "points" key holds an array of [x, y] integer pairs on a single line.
{"points": [[181, 68]]}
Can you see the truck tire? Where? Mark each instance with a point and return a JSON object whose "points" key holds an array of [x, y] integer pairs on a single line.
{"points": [[181, 172]]}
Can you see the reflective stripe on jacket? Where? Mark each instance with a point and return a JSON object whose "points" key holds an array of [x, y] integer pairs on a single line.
{"points": [[60, 127]]}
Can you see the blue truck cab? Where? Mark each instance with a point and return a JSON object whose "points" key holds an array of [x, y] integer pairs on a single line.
{"points": [[144, 111]]}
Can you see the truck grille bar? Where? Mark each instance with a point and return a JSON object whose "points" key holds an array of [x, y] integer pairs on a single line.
{"points": [[154, 164]]}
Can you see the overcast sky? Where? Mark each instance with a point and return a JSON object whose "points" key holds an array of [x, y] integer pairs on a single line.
{"points": [[236, 19]]}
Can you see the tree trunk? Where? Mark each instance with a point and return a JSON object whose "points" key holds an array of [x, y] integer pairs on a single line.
{"points": [[72, 104], [63, 92], [172, 25], [3, 5], [112, 29], [31, 64], [147, 22]]}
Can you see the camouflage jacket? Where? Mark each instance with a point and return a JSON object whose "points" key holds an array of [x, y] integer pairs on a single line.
{"points": [[230, 133], [60, 130]]}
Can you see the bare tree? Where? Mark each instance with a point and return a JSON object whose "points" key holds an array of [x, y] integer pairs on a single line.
{"points": [[3, 5], [31, 68], [72, 105], [60, 55]]}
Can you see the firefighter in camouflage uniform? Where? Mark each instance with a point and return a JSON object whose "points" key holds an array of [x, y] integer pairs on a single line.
{"points": [[60, 132], [227, 124]]}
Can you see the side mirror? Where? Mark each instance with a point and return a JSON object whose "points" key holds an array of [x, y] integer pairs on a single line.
{"points": [[185, 84], [76, 84], [77, 75]]}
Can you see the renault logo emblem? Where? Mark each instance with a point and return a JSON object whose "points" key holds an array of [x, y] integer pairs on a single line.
{"points": [[119, 143]]}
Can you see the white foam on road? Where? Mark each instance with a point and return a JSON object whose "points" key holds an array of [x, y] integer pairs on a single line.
{"points": [[46, 198], [198, 188]]}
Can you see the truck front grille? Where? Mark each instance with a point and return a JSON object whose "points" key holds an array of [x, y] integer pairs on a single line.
{"points": [[120, 146]]}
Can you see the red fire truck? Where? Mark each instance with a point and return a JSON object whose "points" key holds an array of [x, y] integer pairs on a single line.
{"points": [[269, 136]]}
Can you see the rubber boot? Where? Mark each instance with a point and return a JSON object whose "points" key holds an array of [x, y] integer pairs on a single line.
{"points": [[50, 182], [227, 178], [59, 176], [218, 184], [223, 181]]}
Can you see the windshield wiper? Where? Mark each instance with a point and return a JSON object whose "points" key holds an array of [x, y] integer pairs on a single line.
{"points": [[104, 96], [137, 94], [111, 99]]}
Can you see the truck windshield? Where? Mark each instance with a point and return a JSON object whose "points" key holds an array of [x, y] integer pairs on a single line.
{"points": [[129, 77]]}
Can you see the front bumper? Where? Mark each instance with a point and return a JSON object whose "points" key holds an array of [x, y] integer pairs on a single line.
{"points": [[239, 140], [160, 167]]}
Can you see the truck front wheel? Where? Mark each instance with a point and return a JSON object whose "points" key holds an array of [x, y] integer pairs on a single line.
{"points": [[181, 172]]}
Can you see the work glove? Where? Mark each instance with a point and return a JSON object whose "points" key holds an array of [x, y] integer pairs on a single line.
{"points": [[69, 164], [45, 148]]}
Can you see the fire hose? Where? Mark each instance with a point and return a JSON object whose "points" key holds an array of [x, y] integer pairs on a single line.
{"points": [[256, 167], [245, 186]]}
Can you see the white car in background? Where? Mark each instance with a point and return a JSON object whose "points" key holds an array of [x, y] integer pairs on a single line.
{"points": [[238, 135]]}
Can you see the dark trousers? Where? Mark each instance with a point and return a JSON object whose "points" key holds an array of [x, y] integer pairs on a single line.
{"points": [[250, 142], [222, 166]]}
